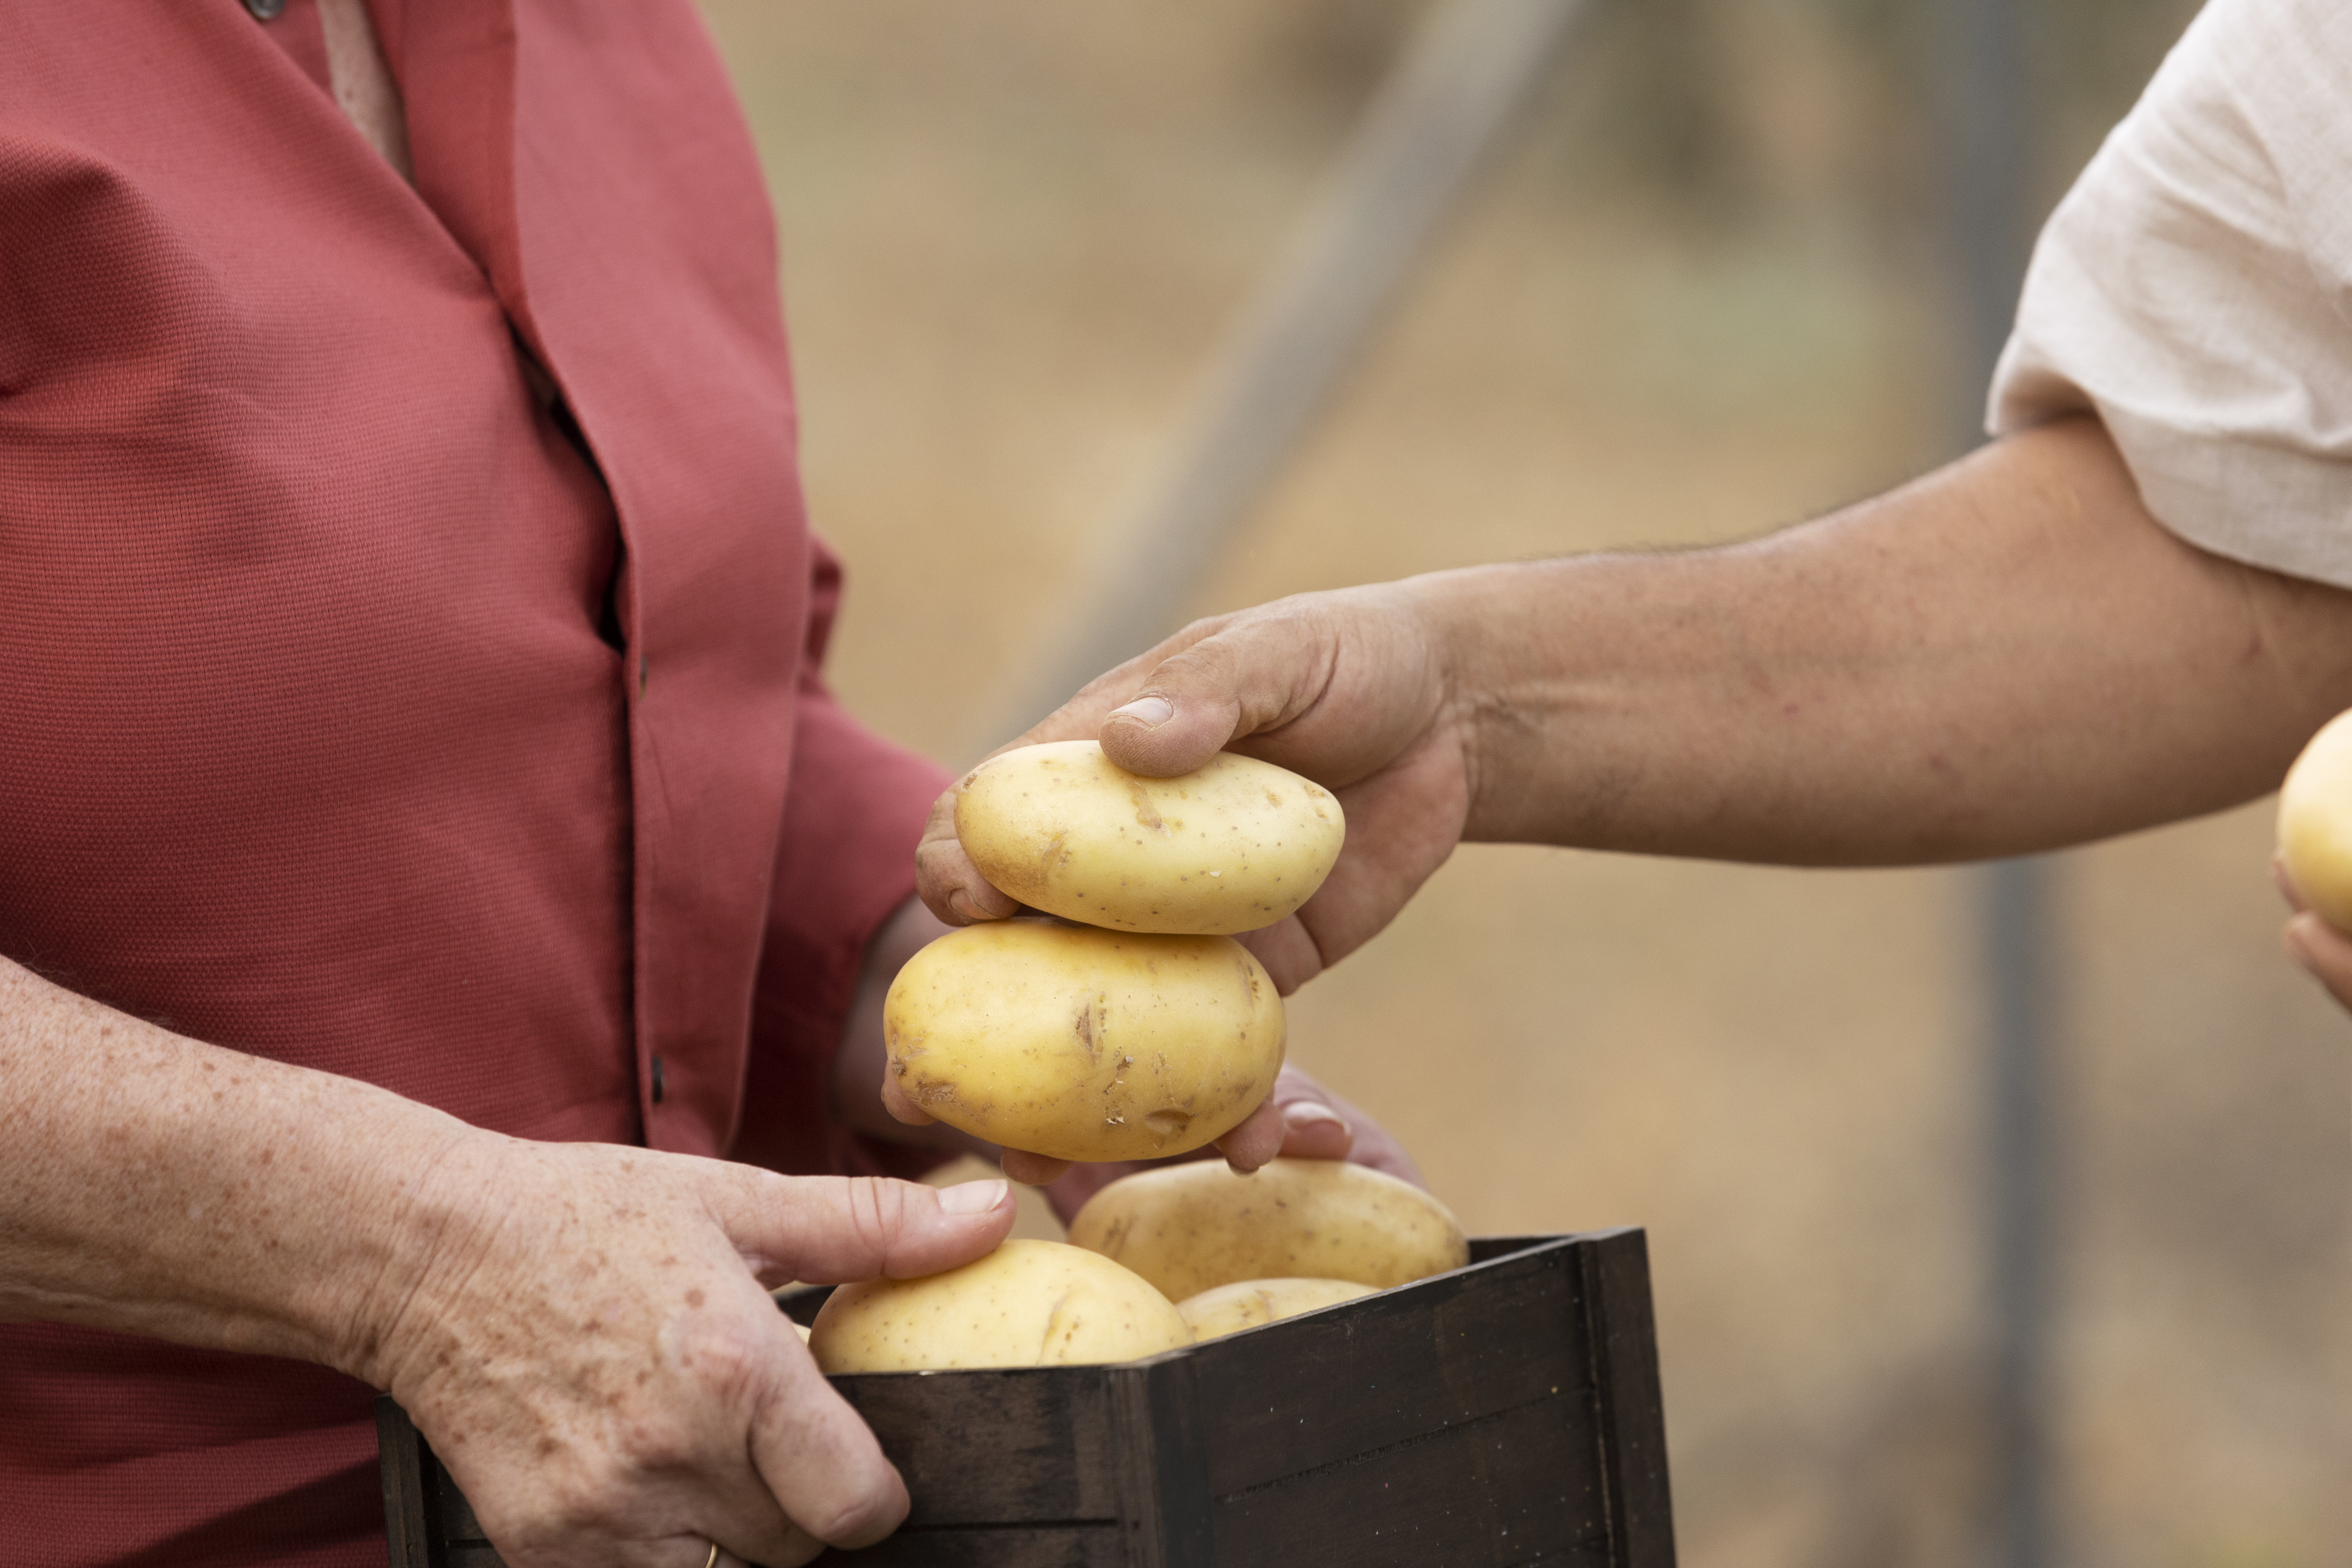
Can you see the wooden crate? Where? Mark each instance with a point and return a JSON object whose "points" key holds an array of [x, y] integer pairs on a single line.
{"points": [[1505, 1412]]}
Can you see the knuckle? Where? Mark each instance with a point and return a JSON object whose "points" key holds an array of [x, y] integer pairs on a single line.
{"points": [[877, 1212], [643, 1442], [858, 1519], [732, 1364]]}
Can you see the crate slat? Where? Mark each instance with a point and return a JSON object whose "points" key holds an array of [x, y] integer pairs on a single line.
{"points": [[1047, 1440], [1036, 1546], [1632, 1409], [1462, 1495], [1384, 1369]]}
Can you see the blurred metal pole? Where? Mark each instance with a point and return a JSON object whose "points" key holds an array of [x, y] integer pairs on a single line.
{"points": [[1471, 64], [2016, 913], [1980, 47]]}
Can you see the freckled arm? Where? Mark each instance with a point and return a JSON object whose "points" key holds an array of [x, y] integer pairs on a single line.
{"points": [[581, 1331], [161, 1186]]}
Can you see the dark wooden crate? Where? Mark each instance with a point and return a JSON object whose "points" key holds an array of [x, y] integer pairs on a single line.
{"points": [[1501, 1414]]}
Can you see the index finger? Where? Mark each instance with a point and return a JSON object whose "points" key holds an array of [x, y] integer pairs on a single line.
{"points": [[950, 885]]}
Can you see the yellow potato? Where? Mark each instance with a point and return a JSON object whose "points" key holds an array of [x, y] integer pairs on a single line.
{"points": [[1246, 1303], [2315, 822], [1028, 1303], [1085, 1044], [1189, 1228], [1234, 845]]}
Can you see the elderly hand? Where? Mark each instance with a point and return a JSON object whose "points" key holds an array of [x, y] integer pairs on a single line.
{"points": [[1351, 688], [591, 1349]]}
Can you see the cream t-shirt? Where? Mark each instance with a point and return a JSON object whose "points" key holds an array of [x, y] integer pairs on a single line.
{"points": [[2195, 288]]}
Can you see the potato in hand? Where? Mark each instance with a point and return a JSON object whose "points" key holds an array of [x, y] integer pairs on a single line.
{"points": [[2314, 823], [1082, 1044], [1234, 845]]}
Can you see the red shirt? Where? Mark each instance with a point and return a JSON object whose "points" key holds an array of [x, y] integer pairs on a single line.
{"points": [[351, 714]]}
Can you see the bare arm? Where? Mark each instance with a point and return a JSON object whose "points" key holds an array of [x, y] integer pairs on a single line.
{"points": [[2008, 655], [581, 1331]]}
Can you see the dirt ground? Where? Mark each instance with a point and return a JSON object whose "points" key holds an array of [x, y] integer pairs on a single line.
{"points": [[1014, 230]]}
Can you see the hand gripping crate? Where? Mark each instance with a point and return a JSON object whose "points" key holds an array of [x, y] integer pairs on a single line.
{"points": [[1501, 1414]]}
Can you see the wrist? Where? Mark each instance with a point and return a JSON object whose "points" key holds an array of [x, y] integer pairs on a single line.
{"points": [[1465, 623], [437, 1202]]}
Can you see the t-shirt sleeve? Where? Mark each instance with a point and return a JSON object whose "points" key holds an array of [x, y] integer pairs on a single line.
{"points": [[853, 812], [2192, 290]]}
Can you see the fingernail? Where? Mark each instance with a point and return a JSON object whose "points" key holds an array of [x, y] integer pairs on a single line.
{"points": [[1152, 711], [973, 1197], [959, 905], [1307, 1112]]}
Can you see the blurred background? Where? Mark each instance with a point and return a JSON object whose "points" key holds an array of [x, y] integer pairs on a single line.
{"points": [[1700, 292]]}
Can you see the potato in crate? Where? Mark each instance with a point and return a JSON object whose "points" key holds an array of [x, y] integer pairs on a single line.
{"points": [[1503, 1413]]}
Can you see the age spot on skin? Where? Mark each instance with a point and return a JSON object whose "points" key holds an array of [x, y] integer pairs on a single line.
{"points": [[694, 1297]]}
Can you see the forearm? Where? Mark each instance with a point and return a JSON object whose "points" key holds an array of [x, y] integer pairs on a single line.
{"points": [[165, 1188], [2007, 656]]}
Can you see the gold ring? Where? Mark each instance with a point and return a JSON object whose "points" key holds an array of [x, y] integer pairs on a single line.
{"points": [[711, 1561]]}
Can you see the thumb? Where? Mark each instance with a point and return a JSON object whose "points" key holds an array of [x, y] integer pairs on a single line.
{"points": [[829, 1230], [1251, 672]]}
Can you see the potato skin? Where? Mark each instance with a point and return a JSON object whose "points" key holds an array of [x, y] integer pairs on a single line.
{"points": [[1191, 1228], [2315, 822], [1085, 1044], [1028, 1303], [1247, 1303], [1232, 847]]}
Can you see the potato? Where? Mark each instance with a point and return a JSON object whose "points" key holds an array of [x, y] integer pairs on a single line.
{"points": [[1028, 1303], [1085, 1044], [1246, 1303], [1189, 1228], [2315, 822], [1232, 847]]}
